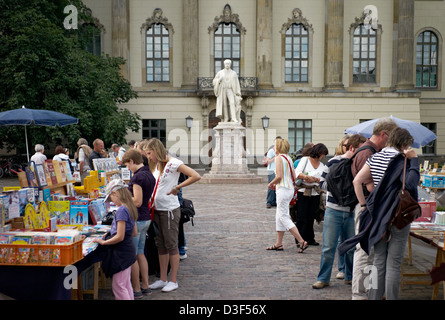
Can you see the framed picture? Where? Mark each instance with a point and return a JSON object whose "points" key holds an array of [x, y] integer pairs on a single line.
{"points": [[41, 175]]}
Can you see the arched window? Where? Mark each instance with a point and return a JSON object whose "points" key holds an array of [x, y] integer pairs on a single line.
{"points": [[158, 53], [296, 53], [364, 55], [227, 46], [427, 53], [157, 36]]}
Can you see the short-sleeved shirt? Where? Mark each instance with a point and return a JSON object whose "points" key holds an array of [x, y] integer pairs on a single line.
{"points": [[270, 155], [38, 158], [122, 214], [378, 163], [167, 181], [143, 178], [360, 159]]}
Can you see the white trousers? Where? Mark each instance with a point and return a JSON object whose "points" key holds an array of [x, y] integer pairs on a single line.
{"points": [[282, 218]]}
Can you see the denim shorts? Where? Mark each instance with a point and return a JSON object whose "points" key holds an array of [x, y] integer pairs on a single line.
{"points": [[139, 240]]}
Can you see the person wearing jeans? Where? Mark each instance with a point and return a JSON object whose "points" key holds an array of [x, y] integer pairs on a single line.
{"points": [[336, 224]]}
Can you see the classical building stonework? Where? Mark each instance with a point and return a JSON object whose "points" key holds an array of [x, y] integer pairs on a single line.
{"points": [[314, 69]]}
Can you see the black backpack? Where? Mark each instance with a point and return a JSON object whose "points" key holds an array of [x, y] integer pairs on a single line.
{"points": [[339, 181], [187, 211]]}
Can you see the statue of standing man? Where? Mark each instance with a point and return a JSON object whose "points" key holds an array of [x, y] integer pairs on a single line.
{"points": [[228, 94]]}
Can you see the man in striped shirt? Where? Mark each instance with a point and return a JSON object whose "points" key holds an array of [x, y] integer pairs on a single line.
{"points": [[338, 222], [378, 140]]}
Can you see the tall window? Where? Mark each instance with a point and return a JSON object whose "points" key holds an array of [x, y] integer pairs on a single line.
{"points": [[296, 54], [227, 46], [430, 148], [364, 55], [299, 133], [154, 128], [426, 60], [158, 53]]}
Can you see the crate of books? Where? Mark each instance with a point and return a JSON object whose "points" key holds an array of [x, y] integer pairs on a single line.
{"points": [[40, 249]]}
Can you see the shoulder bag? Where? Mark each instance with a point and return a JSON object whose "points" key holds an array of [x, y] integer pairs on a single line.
{"points": [[295, 196], [408, 208]]}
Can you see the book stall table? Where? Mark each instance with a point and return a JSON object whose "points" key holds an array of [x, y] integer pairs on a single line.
{"points": [[432, 234], [46, 281]]}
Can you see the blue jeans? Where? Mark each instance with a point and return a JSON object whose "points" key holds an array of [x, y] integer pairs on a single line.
{"points": [[336, 224], [139, 240], [388, 258], [271, 195]]}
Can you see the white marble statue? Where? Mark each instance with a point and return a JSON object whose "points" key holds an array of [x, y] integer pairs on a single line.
{"points": [[228, 94]]}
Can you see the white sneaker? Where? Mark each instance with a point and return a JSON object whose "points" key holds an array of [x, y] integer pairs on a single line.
{"points": [[158, 284], [170, 286], [182, 257], [340, 275]]}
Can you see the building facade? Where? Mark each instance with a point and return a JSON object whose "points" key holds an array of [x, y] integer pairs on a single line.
{"points": [[313, 68]]}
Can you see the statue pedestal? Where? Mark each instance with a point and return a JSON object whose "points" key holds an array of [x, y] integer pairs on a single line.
{"points": [[229, 163]]}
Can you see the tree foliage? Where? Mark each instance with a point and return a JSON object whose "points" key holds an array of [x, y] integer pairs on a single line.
{"points": [[45, 66]]}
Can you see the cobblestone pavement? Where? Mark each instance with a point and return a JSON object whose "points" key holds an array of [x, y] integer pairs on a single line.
{"points": [[227, 259]]}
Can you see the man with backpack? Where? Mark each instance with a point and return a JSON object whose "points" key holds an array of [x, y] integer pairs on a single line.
{"points": [[339, 216], [363, 261]]}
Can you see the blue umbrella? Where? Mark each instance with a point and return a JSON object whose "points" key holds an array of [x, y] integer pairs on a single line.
{"points": [[35, 117], [422, 135]]}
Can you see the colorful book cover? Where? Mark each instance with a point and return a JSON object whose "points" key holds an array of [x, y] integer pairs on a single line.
{"points": [[79, 212], [97, 210], [62, 170], [69, 175], [63, 240], [31, 174], [41, 175], [60, 210], [47, 174], [58, 172], [13, 203], [46, 195], [52, 173]]}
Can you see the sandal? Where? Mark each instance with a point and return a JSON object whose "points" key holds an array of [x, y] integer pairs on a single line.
{"points": [[303, 246], [274, 247]]}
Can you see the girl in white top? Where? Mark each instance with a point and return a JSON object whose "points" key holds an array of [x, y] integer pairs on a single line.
{"points": [[283, 182], [166, 171]]}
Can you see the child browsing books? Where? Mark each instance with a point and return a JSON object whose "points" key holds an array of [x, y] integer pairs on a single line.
{"points": [[121, 252]]}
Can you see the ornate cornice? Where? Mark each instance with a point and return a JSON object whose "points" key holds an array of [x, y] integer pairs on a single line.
{"points": [[156, 18], [297, 18], [227, 17], [360, 20]]}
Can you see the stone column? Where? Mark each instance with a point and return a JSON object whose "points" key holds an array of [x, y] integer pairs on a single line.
{"points": [[190, 43], [264, 44], [120, 33], [405, 46], [333, 70]]}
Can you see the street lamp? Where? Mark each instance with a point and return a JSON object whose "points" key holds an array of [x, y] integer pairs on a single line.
{"points": [[188, 122], [265, 121]]}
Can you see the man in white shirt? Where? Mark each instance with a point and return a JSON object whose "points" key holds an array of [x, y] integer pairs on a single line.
{"points": [[39, 157], [119, 151]]}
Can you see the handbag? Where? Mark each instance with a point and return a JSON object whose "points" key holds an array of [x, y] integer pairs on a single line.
{"points": [[298, 182], [408, 208], [294, 199], [153, 229]]}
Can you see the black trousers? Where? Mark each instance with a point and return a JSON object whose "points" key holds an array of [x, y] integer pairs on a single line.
{"points": [[306, 209]]}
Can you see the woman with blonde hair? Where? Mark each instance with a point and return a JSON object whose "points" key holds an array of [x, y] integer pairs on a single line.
{"points": [[283, 182], [167, 210]]}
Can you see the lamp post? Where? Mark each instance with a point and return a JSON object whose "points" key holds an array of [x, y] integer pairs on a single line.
{"points": [[265, 121], [189, 122]]}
